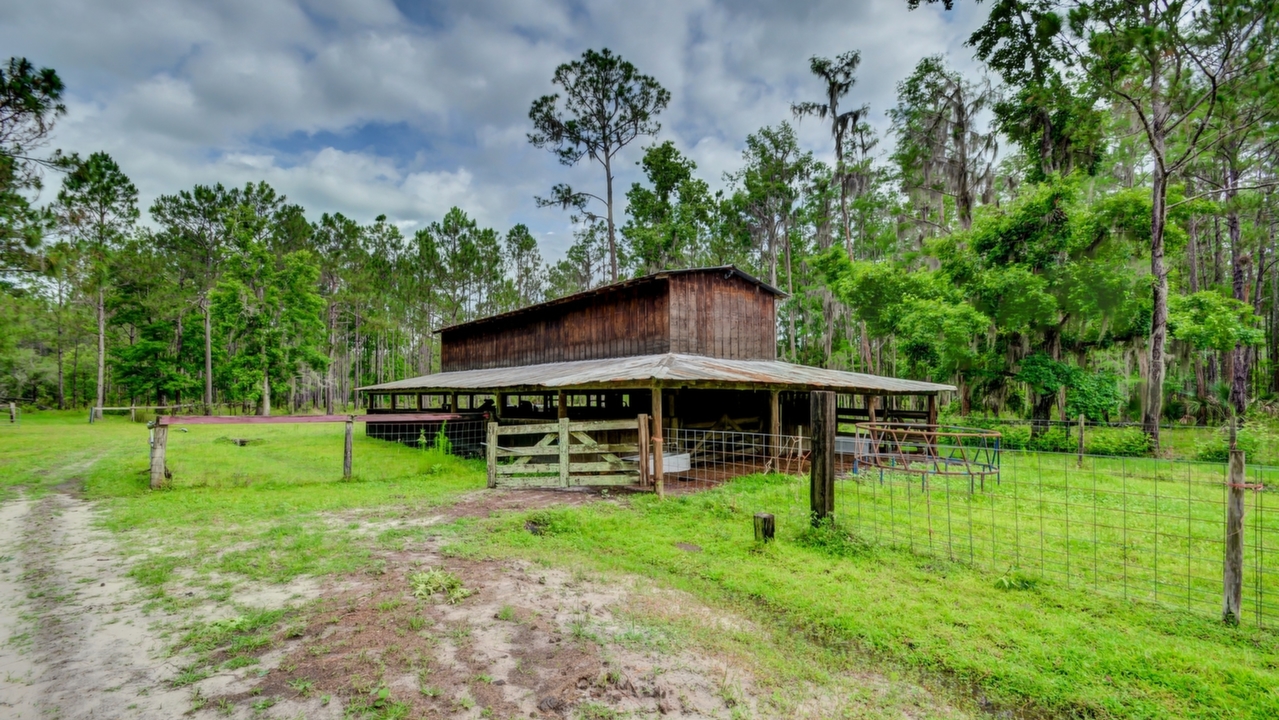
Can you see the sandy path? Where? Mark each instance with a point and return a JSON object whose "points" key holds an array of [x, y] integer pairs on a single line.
{"points": [[73, 642]]}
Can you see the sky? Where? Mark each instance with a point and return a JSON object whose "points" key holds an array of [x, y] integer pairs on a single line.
{"points": [[370, 107]]}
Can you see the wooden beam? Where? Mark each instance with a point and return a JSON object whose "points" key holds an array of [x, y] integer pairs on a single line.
{"points": [[491, 447], [347, 449], [655, 438], [563, 448], [561, 404], [932, 409], [774, 426], [279, 419]]}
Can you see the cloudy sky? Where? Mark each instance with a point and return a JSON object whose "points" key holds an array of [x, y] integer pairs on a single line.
{"points": [[408, 108]]}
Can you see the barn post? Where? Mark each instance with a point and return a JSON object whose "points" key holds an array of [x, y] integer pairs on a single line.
{"points": [[159, 444], [932, 409], [564, 456], [655, 438], [490, 448], [774, 428], [645, 447], [1232, 580], [348, 447], [561, 405], [822, 459]]}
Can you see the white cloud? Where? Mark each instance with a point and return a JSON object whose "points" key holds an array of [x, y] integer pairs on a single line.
{"points": [[184, 92]]}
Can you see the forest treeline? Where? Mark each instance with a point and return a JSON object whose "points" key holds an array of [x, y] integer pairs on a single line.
{"points": [[1086, 227]]}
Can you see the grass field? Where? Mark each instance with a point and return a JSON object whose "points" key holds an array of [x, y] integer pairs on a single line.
{"points": [[827, 602]]}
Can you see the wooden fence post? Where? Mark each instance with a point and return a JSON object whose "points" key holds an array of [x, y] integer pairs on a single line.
{"points": [[1080, 457], [348, 449], [564, 456], [13, 412], [765, 527], [491, 450], [158, 446], [655, 438], [645, 447], [1232, 580], [822, 459]]}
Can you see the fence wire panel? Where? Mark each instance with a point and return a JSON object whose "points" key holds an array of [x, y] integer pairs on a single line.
{"points": [[463, 438], [1137, 528], [696, 460]]}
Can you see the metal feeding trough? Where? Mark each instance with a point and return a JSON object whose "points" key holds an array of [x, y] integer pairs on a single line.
{"points": [[674, 462]]}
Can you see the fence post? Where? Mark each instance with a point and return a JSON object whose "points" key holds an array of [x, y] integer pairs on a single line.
{"points": [[644, 449], [158, 446], [1232, 590], [774, 430], [822, 459], [659, 450], [490, 448], [348, 448], [1079, 458], [564, 456], [13, 412]]}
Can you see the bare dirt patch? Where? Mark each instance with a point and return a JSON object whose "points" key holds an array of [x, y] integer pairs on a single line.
{"points": [[526, 641]]}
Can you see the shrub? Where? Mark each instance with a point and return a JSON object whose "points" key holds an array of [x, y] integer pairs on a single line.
{"points": [[1250, 438], [1118, 442], [1053, 440]]}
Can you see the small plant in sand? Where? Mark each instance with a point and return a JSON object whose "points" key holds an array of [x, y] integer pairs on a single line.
{"points": [[433, 581]]}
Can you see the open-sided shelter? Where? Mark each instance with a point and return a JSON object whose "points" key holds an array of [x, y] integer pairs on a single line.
{"points": [[697, 348]]}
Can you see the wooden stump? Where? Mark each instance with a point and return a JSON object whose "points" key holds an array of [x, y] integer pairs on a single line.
{"points": [[765, 527]]}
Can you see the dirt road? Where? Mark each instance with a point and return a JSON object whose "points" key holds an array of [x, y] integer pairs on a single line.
{"points": [[73, 641]]}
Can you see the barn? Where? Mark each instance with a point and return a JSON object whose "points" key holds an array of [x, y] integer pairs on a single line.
{"points": [[696, 348]]}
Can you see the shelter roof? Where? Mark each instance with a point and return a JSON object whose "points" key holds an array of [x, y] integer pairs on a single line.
{"points": [[726, 270], [667, 370]]}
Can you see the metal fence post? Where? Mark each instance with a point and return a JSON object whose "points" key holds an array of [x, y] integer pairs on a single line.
{"points": [[822, 459], [1232, 581]]}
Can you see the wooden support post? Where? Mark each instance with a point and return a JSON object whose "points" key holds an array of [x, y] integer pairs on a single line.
{"points": [[870, 407], [1079, 457], [1232, 590], [561, 404], [453, 403], [645, 448], [13, 412], [765, 527], [490, 448], [564, 456], [348, 449], [159, 444], [133, 413], [932, 410], [822, 458], [656, 440], [774, 428]]}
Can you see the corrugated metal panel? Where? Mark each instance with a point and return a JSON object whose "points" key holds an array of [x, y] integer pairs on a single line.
{"points": [[670, 369]]}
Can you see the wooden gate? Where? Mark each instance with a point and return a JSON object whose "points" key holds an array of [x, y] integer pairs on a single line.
{"points": [[564, 454]]}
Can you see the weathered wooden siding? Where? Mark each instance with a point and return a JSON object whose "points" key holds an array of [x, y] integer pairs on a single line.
{"points": [[630, 321], [722, 317]]}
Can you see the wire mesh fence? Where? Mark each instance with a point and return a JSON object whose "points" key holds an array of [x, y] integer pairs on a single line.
{"points": [[1138, 528]]}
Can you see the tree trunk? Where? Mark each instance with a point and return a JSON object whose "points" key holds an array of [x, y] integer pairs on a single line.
{"points": [[266, 394], [1159, 291], [208, 359], [612, 236], [1239, 290], [102, 348]]}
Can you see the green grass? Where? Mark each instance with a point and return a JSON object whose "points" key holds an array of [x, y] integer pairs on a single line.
{"points": [[257, 512], [1055, 649], [912, 599]]}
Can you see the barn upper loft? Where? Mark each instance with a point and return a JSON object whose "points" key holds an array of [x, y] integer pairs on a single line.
{"points": [[718, 312]]}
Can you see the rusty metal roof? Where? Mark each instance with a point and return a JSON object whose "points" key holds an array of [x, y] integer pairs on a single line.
{"points": [[727, 270], [668, 370]]}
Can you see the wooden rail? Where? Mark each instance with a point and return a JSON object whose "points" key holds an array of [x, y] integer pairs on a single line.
{"points": [[266, 420]]}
